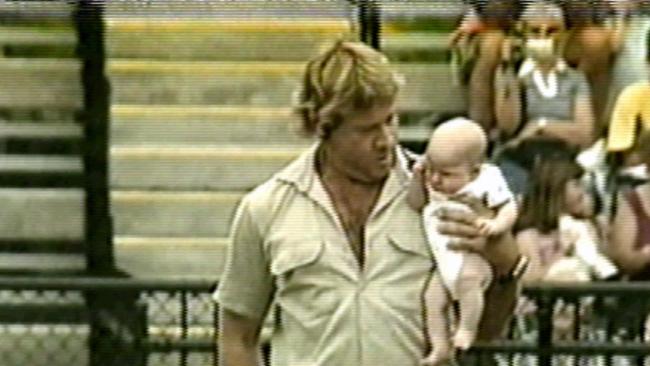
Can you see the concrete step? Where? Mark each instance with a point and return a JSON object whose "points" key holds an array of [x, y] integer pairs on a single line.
{"points": [[428, 86], [36, 12], [196, 168], [204, 125], [58, 213], [222, 39], [36, 130], [173, 214], [64, 138], [37, 36], [416, 46], [418, 9], [41, 214], [185, 257], [36, 83], [55, 82], [33, 263], [196, 126], [156, 167], [44, 171], [237, 9]]}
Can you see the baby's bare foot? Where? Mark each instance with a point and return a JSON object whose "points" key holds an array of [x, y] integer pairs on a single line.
{"points": [[438, 357], [464, 339]]}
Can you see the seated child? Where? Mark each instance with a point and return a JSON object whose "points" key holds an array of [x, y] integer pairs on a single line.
{"points": [[580, 237], [454, 169]]}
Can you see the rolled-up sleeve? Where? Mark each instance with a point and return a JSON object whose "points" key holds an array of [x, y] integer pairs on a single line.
{"points": [[246, 284]]}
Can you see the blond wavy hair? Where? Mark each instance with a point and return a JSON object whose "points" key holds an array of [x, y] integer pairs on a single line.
{"points": [[347, 77]]}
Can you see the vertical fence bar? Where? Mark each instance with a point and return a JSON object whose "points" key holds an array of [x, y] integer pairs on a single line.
{"points": [[370, 23], [215, 343], [545, 303], [184, 324], [89, 23]]}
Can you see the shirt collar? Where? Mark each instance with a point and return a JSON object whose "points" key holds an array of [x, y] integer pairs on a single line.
{"points": [[302, 174], [529, 65]]}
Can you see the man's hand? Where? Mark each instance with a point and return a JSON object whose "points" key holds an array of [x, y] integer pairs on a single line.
{"points": [[487, 227], [460, 226]]}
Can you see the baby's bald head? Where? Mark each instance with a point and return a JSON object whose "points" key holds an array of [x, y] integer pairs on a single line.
{"points": [[458, 141]]}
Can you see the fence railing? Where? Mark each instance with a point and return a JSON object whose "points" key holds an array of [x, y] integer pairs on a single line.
{"points": [[576, 324], [106, 321], [120, 321]]}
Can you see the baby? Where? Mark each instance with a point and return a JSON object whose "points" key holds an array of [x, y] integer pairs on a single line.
{"points": [[453, 168]]}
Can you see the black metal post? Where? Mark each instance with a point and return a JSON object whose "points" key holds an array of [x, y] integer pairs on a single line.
{"points": [[185, 324], [215, 340], [545, 304], [370, 23], [117, 321], [89, 22]]}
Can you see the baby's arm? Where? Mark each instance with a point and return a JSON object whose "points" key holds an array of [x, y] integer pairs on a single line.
{"points": [[504, 220]]}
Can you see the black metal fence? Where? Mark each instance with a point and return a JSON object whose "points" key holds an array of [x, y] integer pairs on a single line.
{"points": [[589, 324], [101, 322], [121, 321]]}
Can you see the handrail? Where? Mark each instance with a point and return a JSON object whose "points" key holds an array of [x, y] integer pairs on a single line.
{"points": [[544, 346], [76, 283], [560, 289]]}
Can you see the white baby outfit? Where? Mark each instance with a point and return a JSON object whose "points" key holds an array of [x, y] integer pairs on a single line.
{"points": [[491, 188]]}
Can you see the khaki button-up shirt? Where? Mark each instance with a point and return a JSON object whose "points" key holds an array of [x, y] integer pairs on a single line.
{"points": [[289, 246]]}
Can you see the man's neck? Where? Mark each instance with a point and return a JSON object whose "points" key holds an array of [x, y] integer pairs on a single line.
{"points": [[546, 67], [333, 174]]}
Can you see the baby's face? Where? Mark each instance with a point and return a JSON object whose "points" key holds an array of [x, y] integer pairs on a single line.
{"points": [[446, 176]]}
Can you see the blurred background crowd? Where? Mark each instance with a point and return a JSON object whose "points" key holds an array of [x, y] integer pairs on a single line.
{"points": [[562, 89]]}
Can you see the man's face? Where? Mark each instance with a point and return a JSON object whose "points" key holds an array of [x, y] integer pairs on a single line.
{"points": [[363, 146]]}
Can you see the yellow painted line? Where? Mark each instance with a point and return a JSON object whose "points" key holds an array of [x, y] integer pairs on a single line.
{"points": [[406, 40], [30, 35], [166, 112], [180, 243], [208, 68], [204, 153], [40, 65], [287, 26], [127, 197]]}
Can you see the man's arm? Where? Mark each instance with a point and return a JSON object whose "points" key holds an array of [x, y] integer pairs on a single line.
{"points": [[244, 292], [238, 340], [481, 84]]}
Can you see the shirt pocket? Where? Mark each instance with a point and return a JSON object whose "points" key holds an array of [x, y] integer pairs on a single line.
{"points": [[410, 243], [306, 291], [291, 255]]}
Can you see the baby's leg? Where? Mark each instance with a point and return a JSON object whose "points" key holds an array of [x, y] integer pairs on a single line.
{"points": [[437, 303], [474, 279]]}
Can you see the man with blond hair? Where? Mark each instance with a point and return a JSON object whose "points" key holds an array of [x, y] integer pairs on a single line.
{"points": [[331, 240]]}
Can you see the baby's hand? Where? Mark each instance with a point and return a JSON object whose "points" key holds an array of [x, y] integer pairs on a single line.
{"points": [[487, 227]]}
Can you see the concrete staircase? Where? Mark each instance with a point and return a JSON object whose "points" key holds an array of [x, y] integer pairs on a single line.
{"points": [[200, 113], [41, 221]]}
